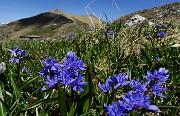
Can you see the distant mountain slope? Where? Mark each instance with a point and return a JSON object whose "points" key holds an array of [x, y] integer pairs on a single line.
{"points": [[168, 12], [48, 24], [2, 24], [84, 18]]}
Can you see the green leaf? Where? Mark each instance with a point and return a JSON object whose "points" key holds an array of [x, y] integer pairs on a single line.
{"points": [[102, 74], [139, 32], [104, 99], [169, 107], [177, 62], [15, 89], [86, 106], [27, 83], [62, 101], [82, 101], [148, 59], [72, 110], [2, 108], [88, 89], [42, 102]]}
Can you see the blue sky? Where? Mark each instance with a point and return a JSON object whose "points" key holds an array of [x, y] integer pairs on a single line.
{"points": [[11, 10]]}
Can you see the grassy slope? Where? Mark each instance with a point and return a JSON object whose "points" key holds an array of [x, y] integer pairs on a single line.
{"points": [[169, 12], [46, 23]]}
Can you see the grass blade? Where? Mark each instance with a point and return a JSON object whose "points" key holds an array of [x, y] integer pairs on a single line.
{"points": [[42, 102], [2, 108], [15, 89], [62, 101], [27, 83], [72, 110]]}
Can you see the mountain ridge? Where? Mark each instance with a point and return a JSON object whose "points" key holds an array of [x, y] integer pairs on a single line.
{"points": [[56, 23], [48, 24], [167, 12]]}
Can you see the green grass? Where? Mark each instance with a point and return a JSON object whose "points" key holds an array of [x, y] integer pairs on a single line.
{"points": [[42, 32], [20, 93]]}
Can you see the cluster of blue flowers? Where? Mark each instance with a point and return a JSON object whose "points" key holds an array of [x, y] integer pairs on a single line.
{"points": [[161, 34], [70, 35], [137, 98], [17, 54], [157, 78], [68, 73], [160, 31], [118, 80], [158, 58], [110, 32]]}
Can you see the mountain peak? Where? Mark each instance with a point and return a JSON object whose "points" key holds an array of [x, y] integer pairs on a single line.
{"points": [[49, 24], [56, 11]]}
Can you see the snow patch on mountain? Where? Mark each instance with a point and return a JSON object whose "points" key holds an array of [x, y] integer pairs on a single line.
{"points": [[137, 19]]}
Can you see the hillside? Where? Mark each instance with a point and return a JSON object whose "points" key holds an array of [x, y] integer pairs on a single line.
{"points": [[56, 23], [168, 12], [49, 24]]}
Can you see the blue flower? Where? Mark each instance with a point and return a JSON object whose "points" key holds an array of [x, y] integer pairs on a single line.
{"points": [[77, 83], [110, 33], [43, 89], [161, 34], [25, 69], [157, 90], [161, 75], [119, 80], [22, 53], [52, 81], [51, 72], [163, 72], [158, 59], [138, 86], [139, 98], [153, 108], [44, 72], [15, 59], [51, 64], [106, 87], [17, 54], [134, 100], [70, 35], [51, 67], [115, 109], [72, 64], [14, 51], [157, 78], [69, 73]]}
